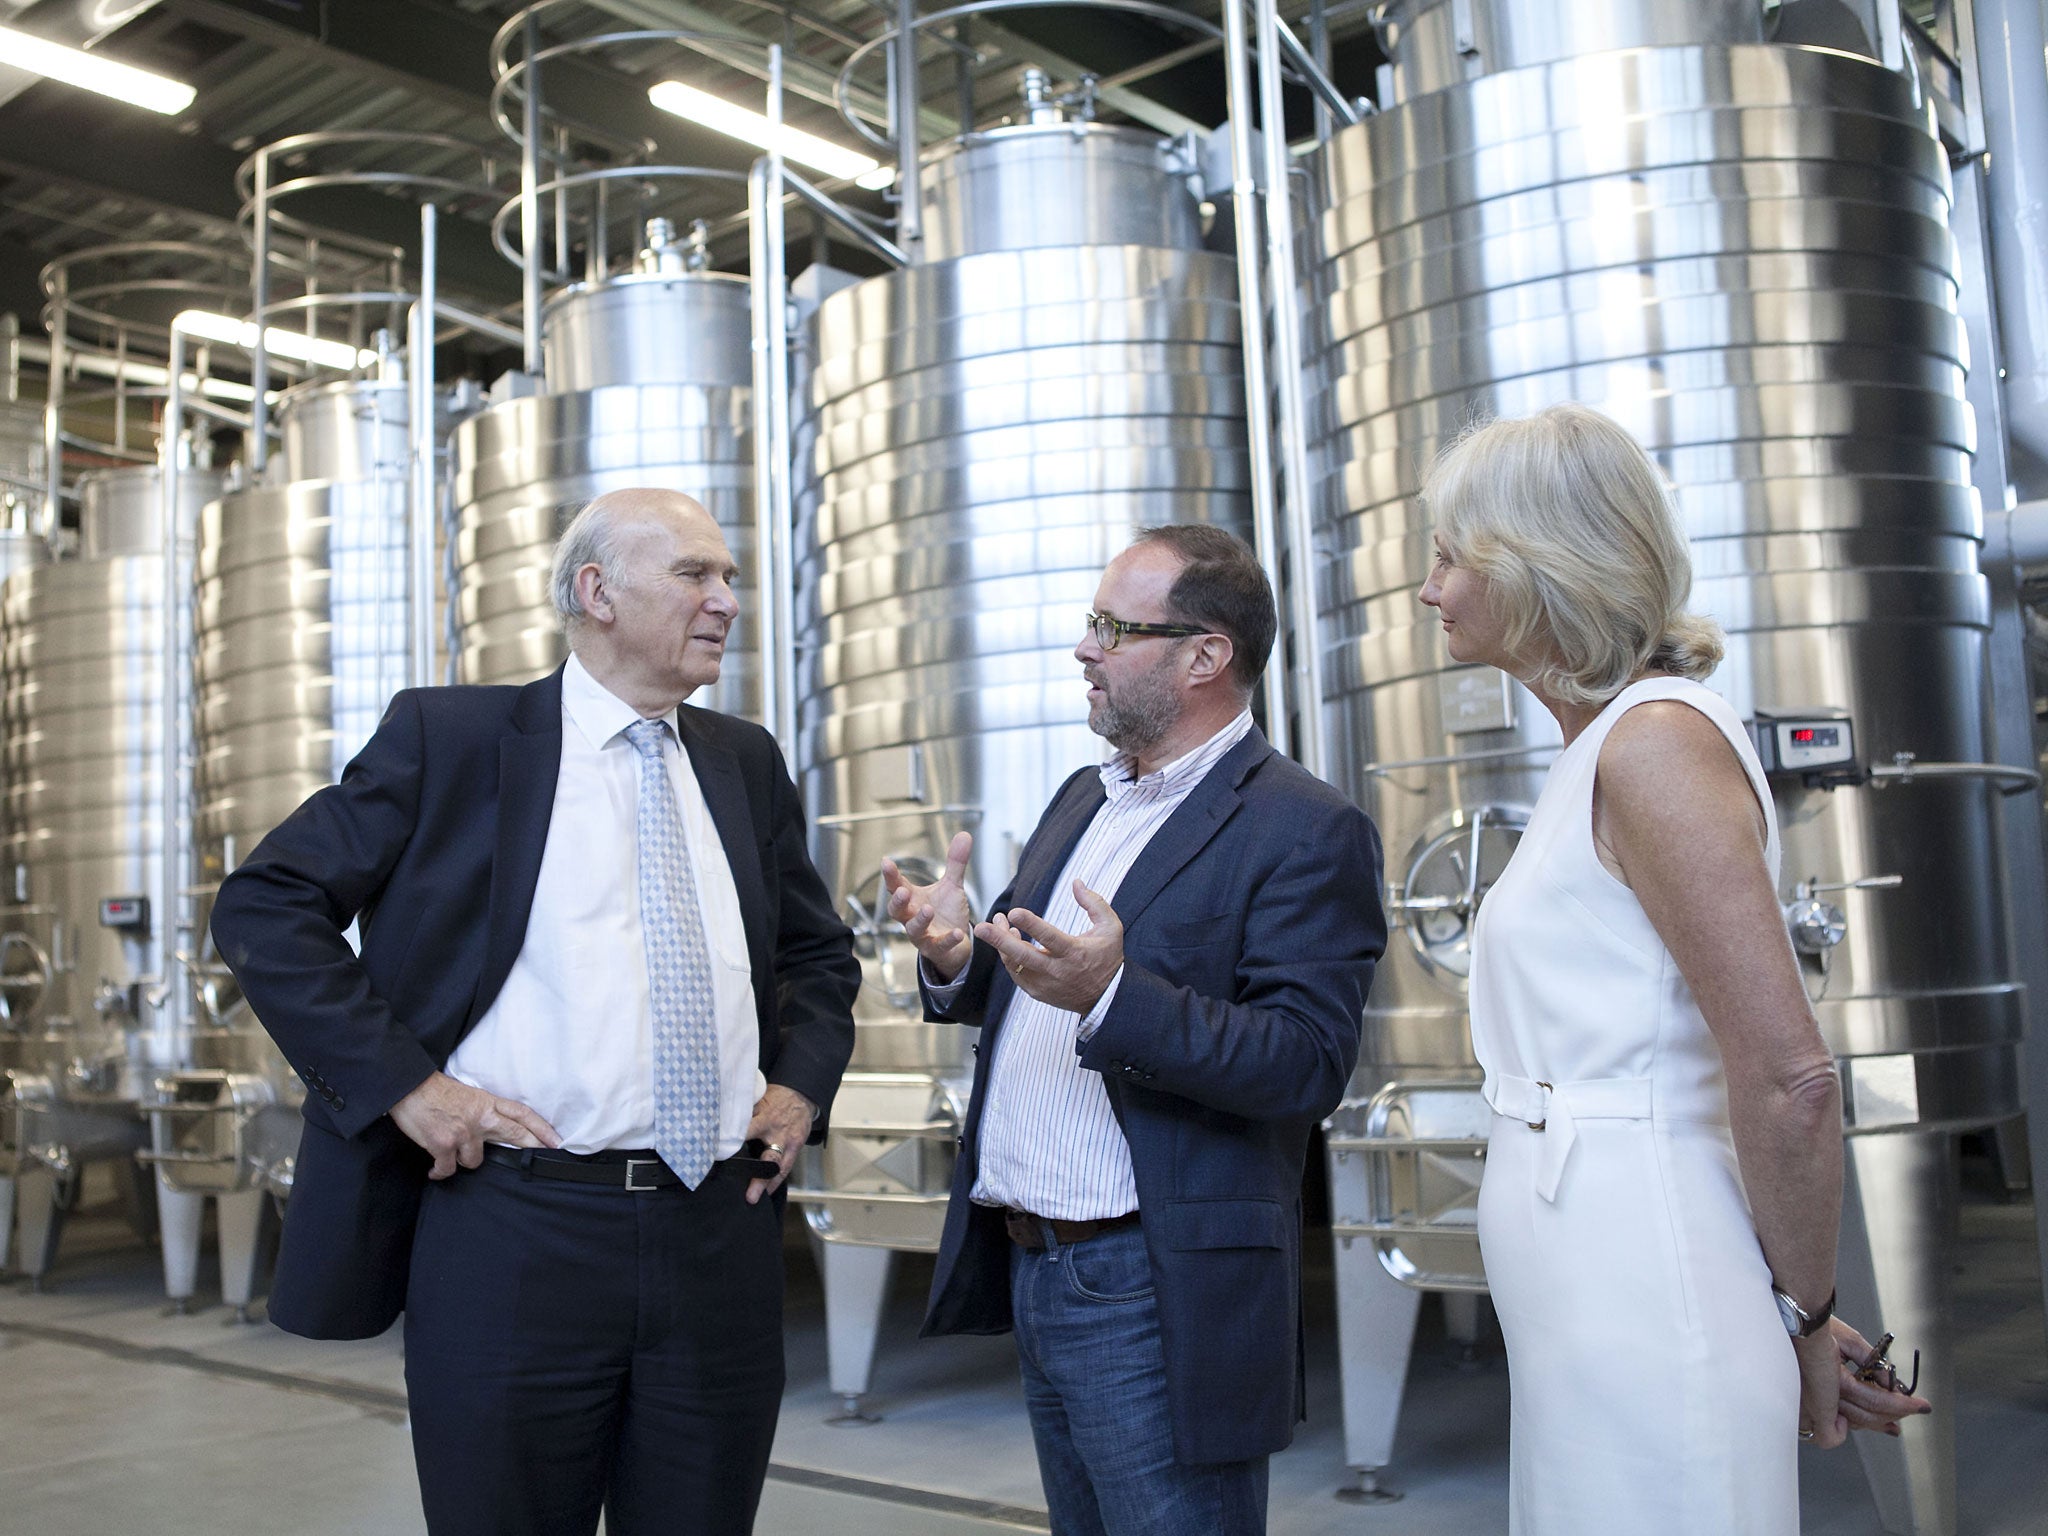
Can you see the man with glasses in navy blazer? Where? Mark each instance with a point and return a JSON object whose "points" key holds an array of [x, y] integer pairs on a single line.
{"points": [[601, 1001], [1170, 997]]}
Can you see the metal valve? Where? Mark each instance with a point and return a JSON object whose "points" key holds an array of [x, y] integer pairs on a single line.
{"points": [[1818, 926]]}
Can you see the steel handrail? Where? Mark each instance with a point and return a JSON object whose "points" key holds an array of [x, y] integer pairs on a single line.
{"points": [[501, 237]]}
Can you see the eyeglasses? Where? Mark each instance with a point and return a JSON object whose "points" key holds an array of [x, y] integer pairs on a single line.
{"points": [[1881, 1373], [1108, 631]]}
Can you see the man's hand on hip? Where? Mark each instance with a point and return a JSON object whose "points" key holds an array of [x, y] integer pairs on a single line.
{"points": [[782, 1122], [1067, 970], [935, 917], [452, 1121]]}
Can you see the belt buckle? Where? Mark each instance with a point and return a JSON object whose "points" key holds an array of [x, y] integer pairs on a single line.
{"points": [[641, 1162], [1537, 1125]]}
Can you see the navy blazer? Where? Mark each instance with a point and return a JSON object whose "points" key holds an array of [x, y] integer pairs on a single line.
{"points": [[1252, 924], [432, 844]]}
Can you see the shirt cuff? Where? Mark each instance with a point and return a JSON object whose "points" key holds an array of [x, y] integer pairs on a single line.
{"points": [[942, 993], [1091, 1021]]}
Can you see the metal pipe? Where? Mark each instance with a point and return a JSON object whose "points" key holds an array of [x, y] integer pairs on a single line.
{"points": [[1319, 50], [1305, 680], [53, 410], [905, 96], [1244, 201], [764, 227], [1316, 78], [257, 449], [2014, 105], [121, 388], [562, 208], [169, 1031], [529, 207], [857, 230], [483, 325], [425, 483]]}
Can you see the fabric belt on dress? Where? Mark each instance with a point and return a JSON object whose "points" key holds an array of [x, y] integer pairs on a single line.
{"points": [[1028, 1231], [639, 1171], [1556, 1108]]}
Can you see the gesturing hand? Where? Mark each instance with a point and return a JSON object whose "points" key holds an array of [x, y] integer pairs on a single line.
{"points": [[452, 1121], [1067, 970], [935, 917]]}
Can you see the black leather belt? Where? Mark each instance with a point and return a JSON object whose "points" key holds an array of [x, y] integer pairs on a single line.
{"points": [[1028, 1231], [638, 1170]]}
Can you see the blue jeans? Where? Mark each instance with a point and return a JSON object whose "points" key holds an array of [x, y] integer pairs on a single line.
{"points": [[1095, 1384]]}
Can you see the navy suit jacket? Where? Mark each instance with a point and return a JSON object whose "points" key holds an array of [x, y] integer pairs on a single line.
{"points": [[1252, 923], [432, 843]]}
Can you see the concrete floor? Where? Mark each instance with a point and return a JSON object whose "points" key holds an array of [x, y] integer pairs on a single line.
{"points": [[117, 1417]]}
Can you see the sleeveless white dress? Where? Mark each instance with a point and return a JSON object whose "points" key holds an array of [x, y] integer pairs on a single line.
{"points": [[1654, 1392]]}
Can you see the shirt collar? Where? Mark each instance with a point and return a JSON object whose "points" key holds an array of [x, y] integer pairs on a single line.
{"points": [[596, 712], [1184, 772]]}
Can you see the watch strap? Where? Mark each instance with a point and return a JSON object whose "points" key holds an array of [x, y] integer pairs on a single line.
{"points": [[1799, 1322]]}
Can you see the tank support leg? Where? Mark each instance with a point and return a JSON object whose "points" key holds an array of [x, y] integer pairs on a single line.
{"points": [[1375, 1336], [41, 1215], [180, 1216], [856, 1286], [240, 1217], [1898, 1232], [2011, 1146]]}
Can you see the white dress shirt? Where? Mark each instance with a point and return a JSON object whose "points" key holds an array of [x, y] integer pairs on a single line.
{"points": [[572, 1033], [1049, 1140]]}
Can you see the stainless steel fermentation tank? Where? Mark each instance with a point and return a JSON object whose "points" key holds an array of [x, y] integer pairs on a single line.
{"points": [[1740, 253], [21, 465], [81, 941], [648, 382], [979, 433], [302, 632]]}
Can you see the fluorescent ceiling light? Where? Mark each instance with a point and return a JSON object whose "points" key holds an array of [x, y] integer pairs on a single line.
{"points": [[737, 122], [89, 71], [292, 344]]}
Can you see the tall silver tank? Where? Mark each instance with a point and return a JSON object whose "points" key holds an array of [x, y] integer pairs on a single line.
{"points": [[302, 632], [648, 382], [981, 433], [81, 643], [21, 465], [1740, 253]]}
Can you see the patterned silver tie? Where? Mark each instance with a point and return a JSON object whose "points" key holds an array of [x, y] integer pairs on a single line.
{"points": [[678, 971]]}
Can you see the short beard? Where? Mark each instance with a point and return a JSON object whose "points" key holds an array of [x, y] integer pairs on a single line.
{"points": [[1149, 707]]}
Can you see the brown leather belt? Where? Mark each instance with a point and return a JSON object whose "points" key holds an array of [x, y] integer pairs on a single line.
{"points": [[1028, 1231]]}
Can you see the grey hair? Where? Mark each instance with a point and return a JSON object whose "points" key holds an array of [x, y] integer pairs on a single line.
{"points": [[594, 537], [1577, 536]]}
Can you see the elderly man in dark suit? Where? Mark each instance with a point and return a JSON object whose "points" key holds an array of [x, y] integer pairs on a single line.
{"points": [[1170, 996], [601, 1001]]}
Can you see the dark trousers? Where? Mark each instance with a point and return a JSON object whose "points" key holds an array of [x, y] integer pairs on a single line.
{"points": [[570, 1348]]}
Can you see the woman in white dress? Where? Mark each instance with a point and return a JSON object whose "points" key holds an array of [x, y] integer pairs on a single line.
{"points": [[1666, 1147]]}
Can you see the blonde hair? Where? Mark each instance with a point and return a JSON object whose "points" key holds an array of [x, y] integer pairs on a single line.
{"points": [[1575, 532]]}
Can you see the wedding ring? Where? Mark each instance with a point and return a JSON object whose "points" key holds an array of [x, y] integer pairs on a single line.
{"points": [[1806, 1434], [774, 1146]]}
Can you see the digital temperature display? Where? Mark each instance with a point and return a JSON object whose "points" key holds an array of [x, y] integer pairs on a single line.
{"points": [[1807, 743]]}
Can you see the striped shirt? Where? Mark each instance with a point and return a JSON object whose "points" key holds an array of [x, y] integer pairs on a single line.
{"points": [[1050, 1143]]}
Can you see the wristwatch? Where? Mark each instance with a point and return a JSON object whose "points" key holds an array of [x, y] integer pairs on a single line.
{"points": [[1799, 1322]]}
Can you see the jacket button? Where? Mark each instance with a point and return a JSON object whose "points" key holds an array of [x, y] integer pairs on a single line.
{"points": [[339, 1102]]}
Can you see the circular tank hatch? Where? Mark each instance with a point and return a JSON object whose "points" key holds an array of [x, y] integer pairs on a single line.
{"points": [[1452, 866]]}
